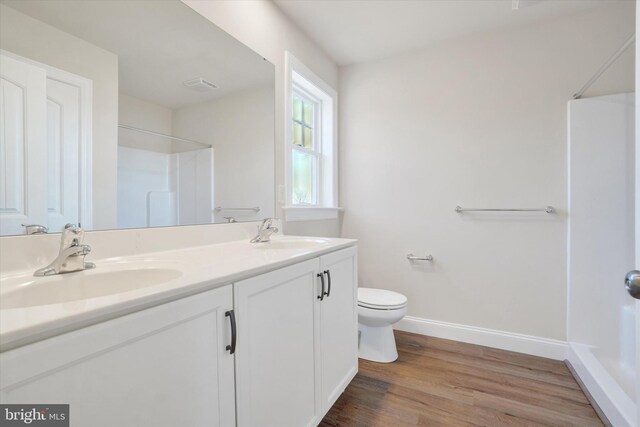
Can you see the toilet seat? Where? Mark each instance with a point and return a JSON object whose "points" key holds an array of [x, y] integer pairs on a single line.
{"points": [[380, 299]]}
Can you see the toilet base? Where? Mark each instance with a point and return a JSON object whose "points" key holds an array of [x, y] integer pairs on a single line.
{"points": [[377, 343]]}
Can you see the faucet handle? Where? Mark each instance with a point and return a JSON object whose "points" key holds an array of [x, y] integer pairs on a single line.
{"points": [[72, 235], [35, 229]]}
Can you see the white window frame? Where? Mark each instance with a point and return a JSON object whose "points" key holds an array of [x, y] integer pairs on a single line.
{"points": [[301, 79]]}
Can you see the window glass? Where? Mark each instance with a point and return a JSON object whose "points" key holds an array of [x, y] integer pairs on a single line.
{"points": [[297, 134], [303, 121], [308, 138], [308, 113], [297, 108], [304, 177]]}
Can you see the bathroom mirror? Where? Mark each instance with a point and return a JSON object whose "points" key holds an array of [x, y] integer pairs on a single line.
{"points": [[123, 114]]}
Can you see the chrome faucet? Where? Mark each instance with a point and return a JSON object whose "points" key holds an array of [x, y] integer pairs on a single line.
{"points": [[71, 255], [265, 231], [35, 229]]}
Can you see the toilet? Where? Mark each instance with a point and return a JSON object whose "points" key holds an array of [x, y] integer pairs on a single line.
{"points": [[378, 310]]}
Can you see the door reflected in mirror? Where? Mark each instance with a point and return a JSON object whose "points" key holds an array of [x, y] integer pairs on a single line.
{"points": [[130, 114]]}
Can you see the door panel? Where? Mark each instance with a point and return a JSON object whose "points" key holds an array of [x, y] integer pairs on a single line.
{"points": [[165, 366], [275, 357], [339, 320], [22, 145], [63, 143]]}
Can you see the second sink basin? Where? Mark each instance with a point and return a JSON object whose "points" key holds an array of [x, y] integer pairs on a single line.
{"points": [[28, 291]]}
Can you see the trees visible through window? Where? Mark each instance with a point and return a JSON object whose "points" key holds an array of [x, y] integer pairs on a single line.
{"points": [[306, 153]]}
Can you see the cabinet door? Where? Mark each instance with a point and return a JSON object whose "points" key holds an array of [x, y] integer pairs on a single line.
{"points": [[339, 324], [164, 366], [276, 367]]}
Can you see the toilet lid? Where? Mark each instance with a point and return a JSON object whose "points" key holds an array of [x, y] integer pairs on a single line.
{"points": [[380, 299]]}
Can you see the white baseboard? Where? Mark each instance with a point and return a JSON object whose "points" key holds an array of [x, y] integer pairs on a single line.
{"points": [[536, 346], [616, 405]]}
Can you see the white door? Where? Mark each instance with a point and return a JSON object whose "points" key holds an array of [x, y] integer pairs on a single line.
{"points": [[63, 154], [23, 154], [165, 366], [339, 324], [276, 367]]}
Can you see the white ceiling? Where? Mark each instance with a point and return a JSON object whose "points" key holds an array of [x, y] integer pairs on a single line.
{"points": [[159, 44], [352, 31]]}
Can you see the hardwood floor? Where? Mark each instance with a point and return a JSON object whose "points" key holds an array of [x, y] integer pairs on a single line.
{"points": [[438, 382]]}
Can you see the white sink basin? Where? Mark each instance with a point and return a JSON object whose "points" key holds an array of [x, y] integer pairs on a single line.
{"points": [[29, 291], [289, 244]]}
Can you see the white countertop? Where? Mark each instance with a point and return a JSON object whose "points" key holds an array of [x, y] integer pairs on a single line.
{"points": [[203, 268]]}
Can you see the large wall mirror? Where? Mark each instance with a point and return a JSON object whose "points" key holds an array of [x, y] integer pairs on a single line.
{"points": [[122, 114]]}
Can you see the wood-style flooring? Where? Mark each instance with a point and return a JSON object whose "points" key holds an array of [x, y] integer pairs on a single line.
{"points": [[438, 382]]}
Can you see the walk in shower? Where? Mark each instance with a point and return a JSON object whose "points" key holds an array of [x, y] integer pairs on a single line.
{"points": [[601, 315]]}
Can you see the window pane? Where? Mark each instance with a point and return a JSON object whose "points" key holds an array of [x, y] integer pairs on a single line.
{"points": [[297, 134], [308, 114], [297, 108], [308, 138], [304, 172]]}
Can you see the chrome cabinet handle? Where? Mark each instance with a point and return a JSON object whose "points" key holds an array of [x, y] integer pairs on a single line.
{"points": [[321, 296], [328, 273], [632, 283], [232, 318]]}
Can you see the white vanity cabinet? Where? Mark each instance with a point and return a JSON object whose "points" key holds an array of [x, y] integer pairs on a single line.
{"points": [[164, 366], [181, 364], [297, 346]]}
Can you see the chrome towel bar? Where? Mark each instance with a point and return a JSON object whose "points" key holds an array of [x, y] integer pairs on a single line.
{"points": [[412, 257], [548, 209]]}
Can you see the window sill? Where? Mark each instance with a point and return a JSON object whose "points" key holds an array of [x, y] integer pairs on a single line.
{"points": [[310, 213]]}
